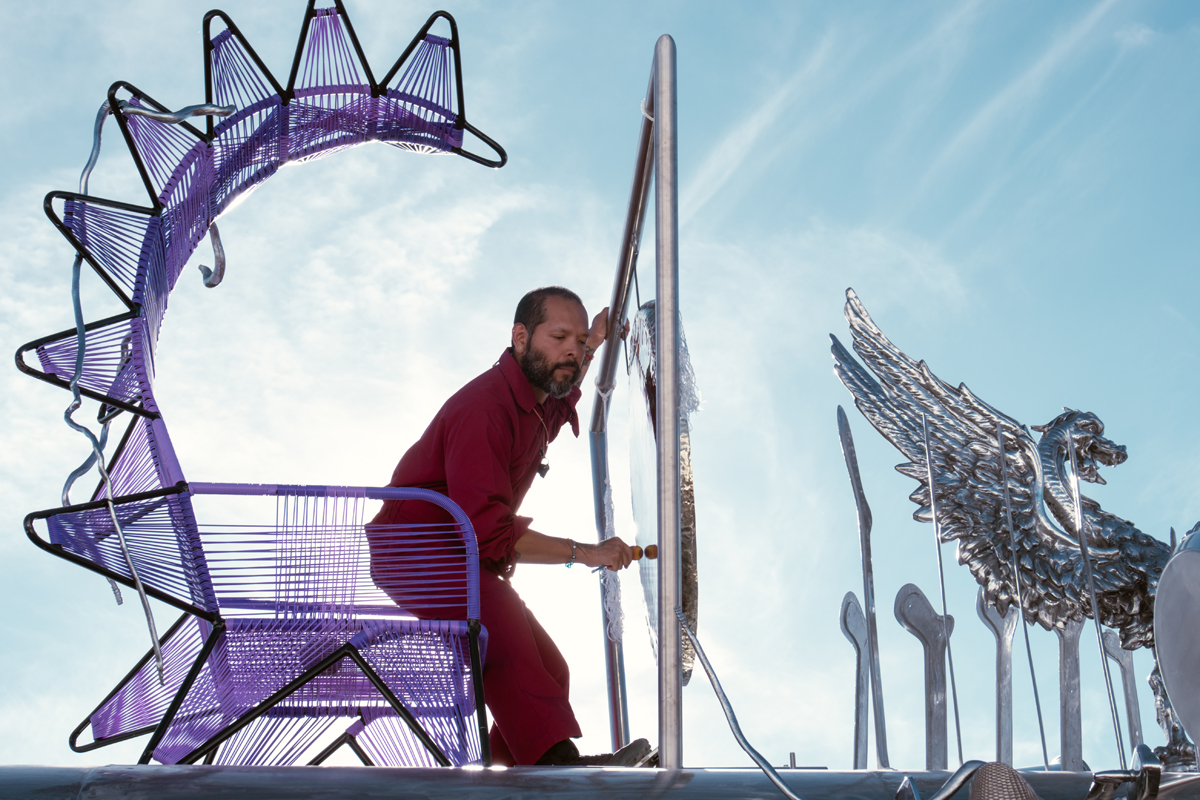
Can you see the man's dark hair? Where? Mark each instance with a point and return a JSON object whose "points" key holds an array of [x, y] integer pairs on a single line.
{"points": [[531, 311]]}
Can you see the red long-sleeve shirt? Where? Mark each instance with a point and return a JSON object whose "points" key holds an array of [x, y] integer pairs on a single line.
{"points": [[482, 450]]}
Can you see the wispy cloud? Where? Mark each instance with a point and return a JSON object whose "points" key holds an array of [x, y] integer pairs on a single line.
{"points": [[1018, 93], [724, 160]]}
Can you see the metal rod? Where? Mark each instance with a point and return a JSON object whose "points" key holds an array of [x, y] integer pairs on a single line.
{"points": [[763, 764], [1070, 716], [670, 534], [1081, 531], [1124, 659], [614, 656], [1012, 542], [937, 543], [854, 627], [1003, 628], [864, 537]]}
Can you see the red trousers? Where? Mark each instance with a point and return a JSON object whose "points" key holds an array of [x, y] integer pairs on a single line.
{"points": [[526, 681]]}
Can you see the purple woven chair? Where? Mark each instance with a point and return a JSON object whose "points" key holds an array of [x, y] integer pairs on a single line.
{"points": [[256, 671], [289, 635]]}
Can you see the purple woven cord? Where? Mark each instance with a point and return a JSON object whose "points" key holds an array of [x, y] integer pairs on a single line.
{"points": [[308, 576]]}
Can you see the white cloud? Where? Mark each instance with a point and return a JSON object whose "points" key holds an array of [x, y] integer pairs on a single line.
{"points": [[1133, 35]]}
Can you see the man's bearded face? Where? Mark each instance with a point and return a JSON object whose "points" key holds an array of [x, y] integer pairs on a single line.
{"points": [[540, 372]]}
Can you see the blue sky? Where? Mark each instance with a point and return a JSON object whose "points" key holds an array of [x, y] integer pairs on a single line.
{"points": [[1010, 188]]}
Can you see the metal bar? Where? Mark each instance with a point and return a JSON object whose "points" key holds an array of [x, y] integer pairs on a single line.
{"points": [[916, 614], [1081, 530], [358, 751], [417, 729], [332, 748], [1003, 628], [854, 627], [614, 657], [864, 536], [72, 739], [164, 724], [937, 543], [1070, 726], [614, 653], [1124, 659], [485, 745], [1012, 542], [730, 717], [670, 534]]}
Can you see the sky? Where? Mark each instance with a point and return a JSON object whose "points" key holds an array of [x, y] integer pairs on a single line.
{"points": [[1010, 188]]}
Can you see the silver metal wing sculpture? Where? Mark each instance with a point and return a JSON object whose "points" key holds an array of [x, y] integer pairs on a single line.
{"points": [[970, 496]]}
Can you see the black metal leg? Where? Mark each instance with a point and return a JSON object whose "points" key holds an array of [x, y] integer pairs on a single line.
{"points": [[485, 745], [399, 708], [267, 704], [121, 737], [362, 754], [217, 632], [330, 750]]}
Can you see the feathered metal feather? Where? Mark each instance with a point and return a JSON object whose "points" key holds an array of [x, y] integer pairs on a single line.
{"points": [[894, 393]]}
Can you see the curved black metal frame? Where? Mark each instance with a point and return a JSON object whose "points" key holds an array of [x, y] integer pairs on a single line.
{"points": [[111, 406], [96, 744], [66, 555]]}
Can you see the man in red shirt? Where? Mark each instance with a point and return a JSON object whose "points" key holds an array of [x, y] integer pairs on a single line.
{"points": [[483, 450]]}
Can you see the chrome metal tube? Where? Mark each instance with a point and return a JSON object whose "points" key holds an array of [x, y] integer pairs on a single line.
{"points": [[614, 653], [670, 540], [1081, 527], [731, 718], [1012, 543], [618, 306], [937, 543]]}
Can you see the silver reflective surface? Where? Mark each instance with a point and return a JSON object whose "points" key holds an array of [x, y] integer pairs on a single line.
{"points": [[1124, 659], [915, 613], [854, 628], [1070, 718], [864, 540], [666, 281], [1177, 629], [643, 469], [1002, 626], [545, 783], [893, 390]]}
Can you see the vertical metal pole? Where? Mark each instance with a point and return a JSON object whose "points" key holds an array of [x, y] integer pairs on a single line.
{"points": [[1081, 527], [614, 653], [614, 656], [666, 224], [670, 547]]}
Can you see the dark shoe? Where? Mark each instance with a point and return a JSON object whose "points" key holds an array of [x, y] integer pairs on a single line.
{"points": [[565, 754], [633, 754], [559, 755]]}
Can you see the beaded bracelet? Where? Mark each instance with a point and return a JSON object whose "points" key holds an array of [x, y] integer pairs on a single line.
{"points": [[572, 561]]}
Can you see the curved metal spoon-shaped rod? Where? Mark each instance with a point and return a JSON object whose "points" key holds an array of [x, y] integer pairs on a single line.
{"points": [[854, 628], [864, 537], [916, 614], [1003, 628]]}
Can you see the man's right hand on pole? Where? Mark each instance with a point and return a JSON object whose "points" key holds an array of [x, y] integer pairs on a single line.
{"points": [[612, 553]]}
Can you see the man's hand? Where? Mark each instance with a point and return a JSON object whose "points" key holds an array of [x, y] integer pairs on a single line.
{"points": [[599, 330], [612, 553]]}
